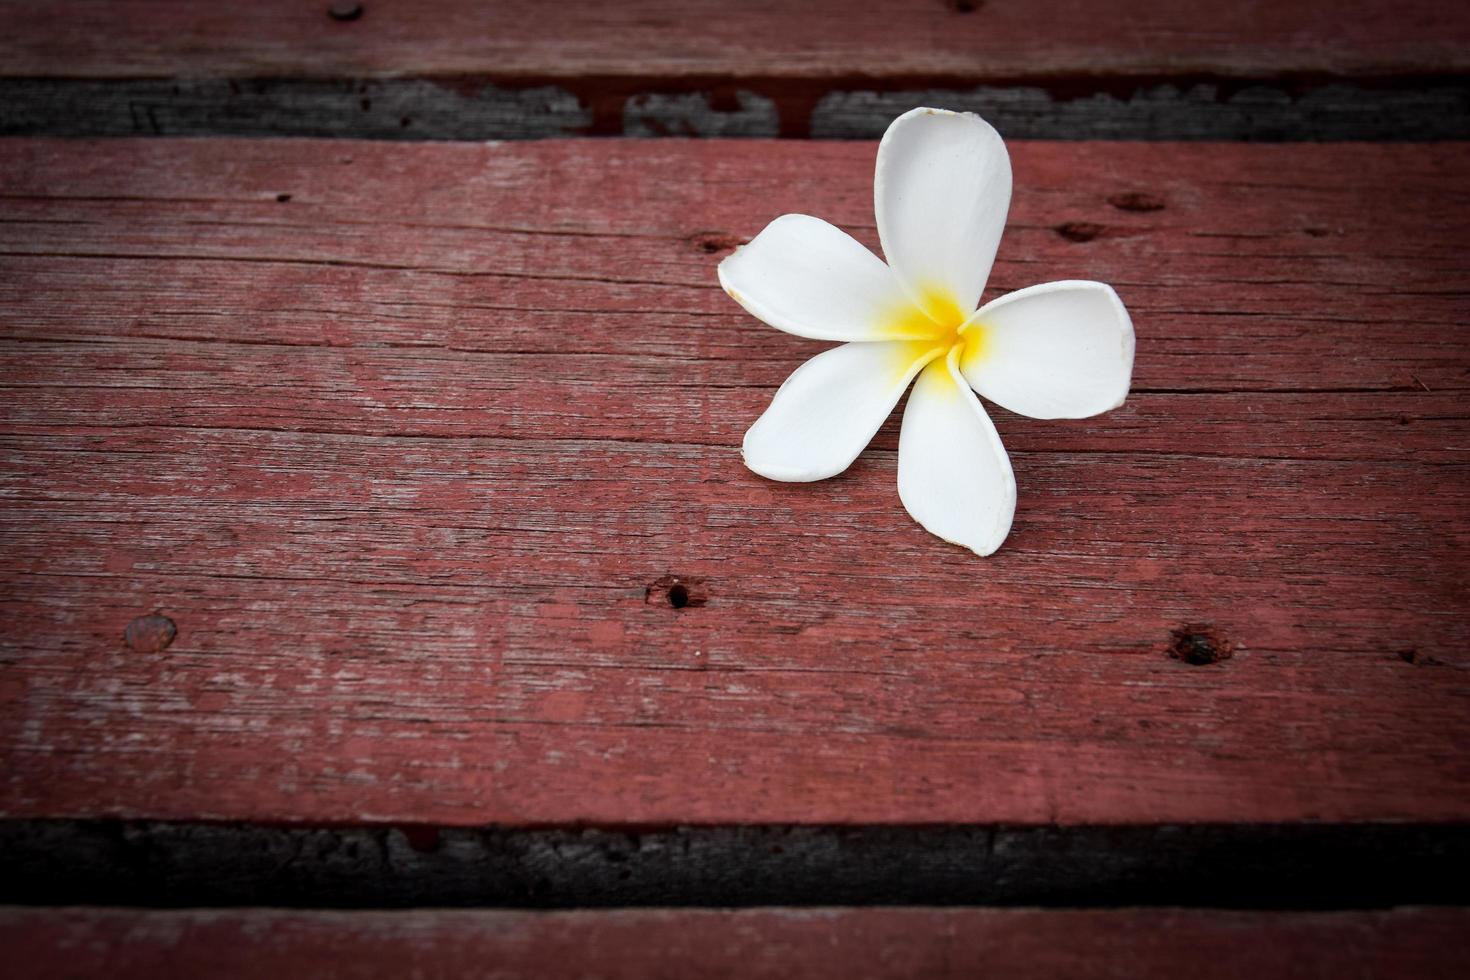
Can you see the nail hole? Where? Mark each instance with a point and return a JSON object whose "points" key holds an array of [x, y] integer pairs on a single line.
{"points": [[1403, 420], [677, 591], [1317, 232], [283, 198], [1199, 645], [713, 242], [150, 634], [1079, 231], [366, 104], [965, 6], [405, 122], [344, 11]]}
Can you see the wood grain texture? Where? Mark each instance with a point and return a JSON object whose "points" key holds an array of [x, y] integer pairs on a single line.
{"points": [[409, 443], [817, 39], [1419, 943]]}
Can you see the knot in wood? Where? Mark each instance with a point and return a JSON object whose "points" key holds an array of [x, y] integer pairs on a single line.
{"points": [[1136, 201], [1079, 231], [1199, 645], [150, 634]]}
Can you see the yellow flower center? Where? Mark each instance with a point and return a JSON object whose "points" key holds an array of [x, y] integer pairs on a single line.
{"points": [[937, 324]]}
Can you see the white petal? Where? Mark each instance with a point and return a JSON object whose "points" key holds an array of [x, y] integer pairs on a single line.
{"points": [[809, 278], [1061, 350], [941, 192], [954, 477], [829, 408]]}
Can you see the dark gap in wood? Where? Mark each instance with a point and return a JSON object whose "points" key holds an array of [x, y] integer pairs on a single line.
{"points": [[1276, 107], [1261, 866], [1199, 645]]}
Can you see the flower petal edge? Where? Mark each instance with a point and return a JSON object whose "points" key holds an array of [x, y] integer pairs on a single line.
{"points": [[828, 410], [954, 476], [941, 192], [806, 277], [1057, 350]]}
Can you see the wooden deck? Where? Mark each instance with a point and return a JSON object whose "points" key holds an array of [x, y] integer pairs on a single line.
{"points": [[374, 534], [412, 459]]}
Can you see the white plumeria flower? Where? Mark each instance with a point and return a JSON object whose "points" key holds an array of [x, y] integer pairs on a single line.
{"points": [[1058, 350]]}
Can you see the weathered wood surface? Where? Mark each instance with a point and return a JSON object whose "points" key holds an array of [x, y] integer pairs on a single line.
{"points": [[461, 69], [410, 443], [817, 39], [1418, 943]]}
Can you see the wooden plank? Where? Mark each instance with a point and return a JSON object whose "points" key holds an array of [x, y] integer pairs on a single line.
{"points": [[818, 39], [413, 457], [1419, 943], [459, 69]]}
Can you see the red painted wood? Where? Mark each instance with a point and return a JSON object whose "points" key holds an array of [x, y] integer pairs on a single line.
{"points": [[819, 39], [403, 455], [1422, 943]]}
